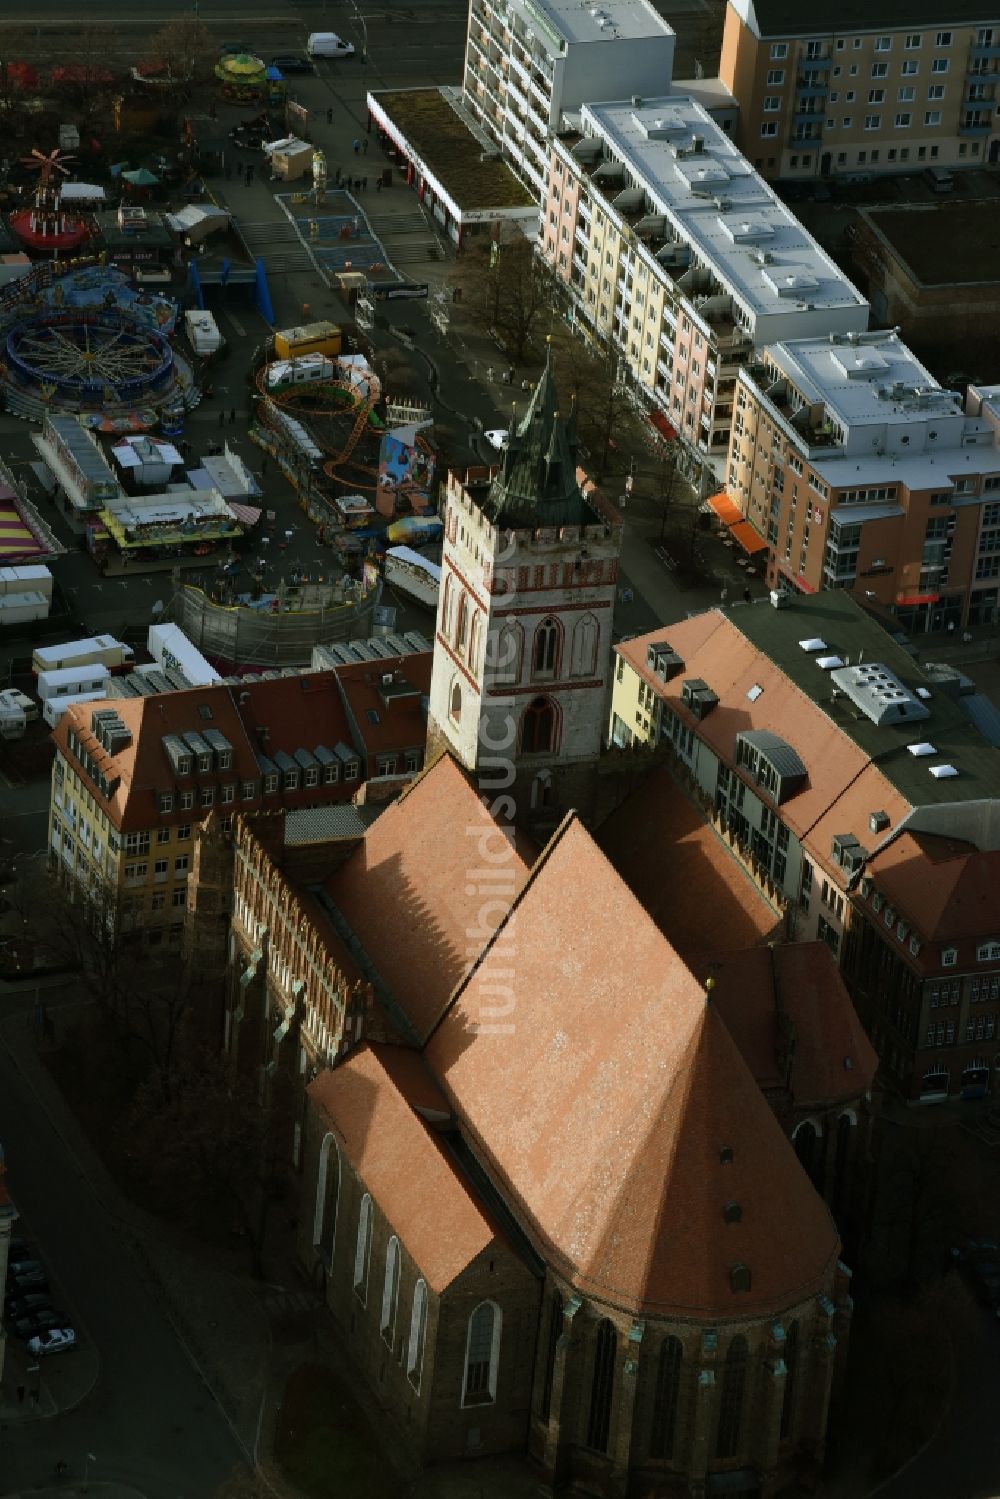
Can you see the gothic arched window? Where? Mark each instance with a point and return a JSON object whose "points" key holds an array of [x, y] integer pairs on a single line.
{"points": [[447, 606], [542, 790], [418, 1329], [455, 701], [841, 1159], [545, 655], [538, 727], [734, 1379], [363, 1249], [462, 626], [583, 658], [602, 1385], [806, 1140], [475, 636], [327, 1198], [666, 1394], [506, 654], [390, 1292], [482, 1355]]}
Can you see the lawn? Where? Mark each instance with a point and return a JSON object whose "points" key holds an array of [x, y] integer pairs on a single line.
{"points": [[325, 1443]]}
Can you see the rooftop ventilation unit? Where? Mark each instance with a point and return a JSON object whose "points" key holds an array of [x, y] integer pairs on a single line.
{"points": [[813, 644], [879, 694], [923, 748], [943, 772], [698, 697], [829, 663], [663, 660]]}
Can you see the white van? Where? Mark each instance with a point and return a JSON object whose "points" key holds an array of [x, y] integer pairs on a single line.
{"points": [[328, 44]]}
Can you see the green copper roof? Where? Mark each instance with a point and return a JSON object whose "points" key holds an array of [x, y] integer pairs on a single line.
{"points": [[536, 485]]}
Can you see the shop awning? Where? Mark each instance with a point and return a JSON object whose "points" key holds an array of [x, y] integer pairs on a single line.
{"points": [[247, 515], [726, 509], [912, 600], [744, 534]]}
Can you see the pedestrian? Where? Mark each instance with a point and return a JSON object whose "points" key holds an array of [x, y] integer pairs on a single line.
{"points": [[250, 174], [222, 418], [337, 178], [329, 117], [263, 466], [364, 184], [357, 146], [366, 145], [232, 417], [21, 1392], [378, 184]]}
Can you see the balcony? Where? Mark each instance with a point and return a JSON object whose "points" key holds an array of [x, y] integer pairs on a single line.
{"points": [[806, 88], [977, 130], [981, 71], [986, 53], [810, 117], [808, 65]]}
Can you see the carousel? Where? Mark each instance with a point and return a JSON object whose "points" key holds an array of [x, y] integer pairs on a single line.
{"points": [[46, 229], [243, 77]]}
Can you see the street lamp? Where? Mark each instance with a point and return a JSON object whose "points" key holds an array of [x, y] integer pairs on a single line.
{"points": [[88, 1458]]}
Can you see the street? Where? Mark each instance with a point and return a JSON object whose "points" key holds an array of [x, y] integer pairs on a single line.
{"points": [[150, 1421]]}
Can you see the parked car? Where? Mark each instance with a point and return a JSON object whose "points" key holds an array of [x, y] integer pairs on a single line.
{"points": [[21, 1264], [53, 1340], [39, 1321], [293, 62], [22, 1304], [497, 437], [27, 1280]]}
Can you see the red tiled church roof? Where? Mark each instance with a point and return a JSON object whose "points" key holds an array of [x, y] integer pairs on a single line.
{"points": [[604, 1091]]}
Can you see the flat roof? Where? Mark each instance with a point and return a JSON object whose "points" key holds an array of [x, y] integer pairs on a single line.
{"points": [[443, 141], [594, 20], [844, 17], [850, 633], [692, 171], [847, 378], [943, 244]]}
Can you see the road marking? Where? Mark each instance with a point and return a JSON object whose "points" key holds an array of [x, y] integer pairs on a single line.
{"points": [[236, 324]]}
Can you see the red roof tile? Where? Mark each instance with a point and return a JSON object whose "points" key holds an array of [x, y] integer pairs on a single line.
{"points": [[427, 888], [689, 881], [802, 977], [590, 1071], [399, 721], [947, 889], [371, 1101]]}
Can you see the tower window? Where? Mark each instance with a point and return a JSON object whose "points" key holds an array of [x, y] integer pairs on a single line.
{"points": [[538, 727], [546, 648], [455, 702]]}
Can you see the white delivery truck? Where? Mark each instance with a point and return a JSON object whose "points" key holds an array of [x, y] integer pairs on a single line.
{"points": [[96, 650], [328, 44]]}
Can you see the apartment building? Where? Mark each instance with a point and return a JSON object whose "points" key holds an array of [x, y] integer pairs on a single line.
{"points": [[134, 778], [528, 62], [828, 91], [676, 252], [922, 958], [862, 473], [812, 739]]}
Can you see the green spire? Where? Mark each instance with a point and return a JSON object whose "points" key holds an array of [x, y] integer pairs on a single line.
{"points": [[536, 485]]}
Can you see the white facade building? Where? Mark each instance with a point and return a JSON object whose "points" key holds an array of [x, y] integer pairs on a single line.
{"points": [[527, 62], [522, 652], [679, 254]]}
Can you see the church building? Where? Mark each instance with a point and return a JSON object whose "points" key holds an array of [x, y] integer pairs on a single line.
{"points": [[519, 688]]}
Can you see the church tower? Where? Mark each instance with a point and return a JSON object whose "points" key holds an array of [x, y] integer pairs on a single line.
{"points": [[522, 649]]}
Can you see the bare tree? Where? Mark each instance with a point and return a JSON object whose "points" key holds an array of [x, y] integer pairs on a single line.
{"points": [[929, 1194], [145, 1004], [204, 1123], [606, 417], [187, 50], [512, 285]]}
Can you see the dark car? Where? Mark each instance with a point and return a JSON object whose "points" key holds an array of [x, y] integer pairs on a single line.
{"points": [[22, 1304], [39, 1321], [28, 1280], [292, 62], [19, 1264]]}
